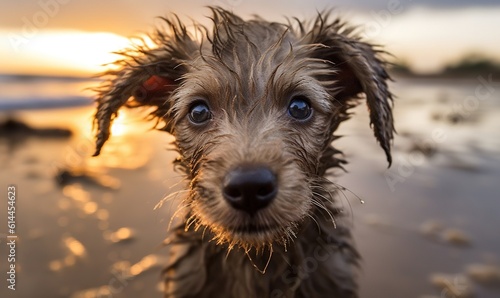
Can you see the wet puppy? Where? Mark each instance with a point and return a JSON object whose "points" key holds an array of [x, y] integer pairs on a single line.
{"points": [[253, 106]]}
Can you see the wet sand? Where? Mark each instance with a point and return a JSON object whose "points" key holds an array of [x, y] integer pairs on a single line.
{"points": [[428, 226]]}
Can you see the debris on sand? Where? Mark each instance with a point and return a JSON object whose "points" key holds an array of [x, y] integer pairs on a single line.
{"points": [[456, 237], [488, 275], [70, 176], [435, 230], [457, 286], [427, 149], [431, 228], [455, 118], [416, 144]]}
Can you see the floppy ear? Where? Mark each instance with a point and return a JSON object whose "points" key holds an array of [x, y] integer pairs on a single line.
{"points": [[146, 76], [358, 69]]}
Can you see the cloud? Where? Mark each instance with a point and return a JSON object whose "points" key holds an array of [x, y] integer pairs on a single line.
{"points": [[422, 31], [127, 17]]}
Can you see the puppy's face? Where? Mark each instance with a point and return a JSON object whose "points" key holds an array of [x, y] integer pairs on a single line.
{"points": [[252, 140], [253, 108]]}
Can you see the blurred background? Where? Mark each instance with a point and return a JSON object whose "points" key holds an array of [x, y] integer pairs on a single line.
{"points": [[88, 227]]}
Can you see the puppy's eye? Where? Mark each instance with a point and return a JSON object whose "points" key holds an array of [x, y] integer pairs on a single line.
{"points": [[199, 113], [299, 108]]}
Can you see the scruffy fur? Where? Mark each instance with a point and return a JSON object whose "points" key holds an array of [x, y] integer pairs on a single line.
{"points": [[247, 72]]}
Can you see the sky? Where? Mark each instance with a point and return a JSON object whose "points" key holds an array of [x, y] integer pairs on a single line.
{"points": [[76, 36]]}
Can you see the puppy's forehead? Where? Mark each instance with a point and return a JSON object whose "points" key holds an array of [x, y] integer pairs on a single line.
{"points": [[255, 61]]}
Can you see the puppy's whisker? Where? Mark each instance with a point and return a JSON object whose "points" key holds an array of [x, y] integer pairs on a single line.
{"points": [[229, 249], [183, 180], [322, 207], [329, 200], [173, 195], [179, 209], [189, 222], [203, 234], [315, 221], [339, 187], [341, 190]]}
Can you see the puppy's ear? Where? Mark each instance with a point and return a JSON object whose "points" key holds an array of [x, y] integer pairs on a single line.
{"points": [[146, 76], [358, 69]]}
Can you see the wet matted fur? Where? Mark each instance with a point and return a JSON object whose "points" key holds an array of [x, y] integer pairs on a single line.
{"points": [[246, 72]]}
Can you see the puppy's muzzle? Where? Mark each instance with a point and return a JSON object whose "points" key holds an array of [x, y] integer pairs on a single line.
{"points": [[250, 188]]}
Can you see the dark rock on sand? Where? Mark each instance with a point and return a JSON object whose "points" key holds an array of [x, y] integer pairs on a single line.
{"points": [[68, 176], [15, 128]]}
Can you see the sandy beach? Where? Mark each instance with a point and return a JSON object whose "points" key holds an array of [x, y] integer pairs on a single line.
{"points": [[426, 227]]}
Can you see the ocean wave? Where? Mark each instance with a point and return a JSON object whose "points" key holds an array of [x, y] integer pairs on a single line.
{"points": [[34, 103]]}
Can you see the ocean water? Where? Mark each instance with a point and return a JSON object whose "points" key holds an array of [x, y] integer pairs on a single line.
{"points": [[24, 92], [427, 227]]}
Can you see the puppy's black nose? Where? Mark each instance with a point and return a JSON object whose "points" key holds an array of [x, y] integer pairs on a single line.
{"points": [[250, 188]]}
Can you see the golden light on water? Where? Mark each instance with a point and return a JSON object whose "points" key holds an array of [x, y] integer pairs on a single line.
{"points": [[143, 265], [119, 126], [125, 148], [102, 214], [74, 246], [90, 207], [122, 234], [55, 265], [75, 249], [76, 193]]}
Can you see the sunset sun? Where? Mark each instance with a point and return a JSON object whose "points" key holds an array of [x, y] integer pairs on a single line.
{"points": [[72, 52]]}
